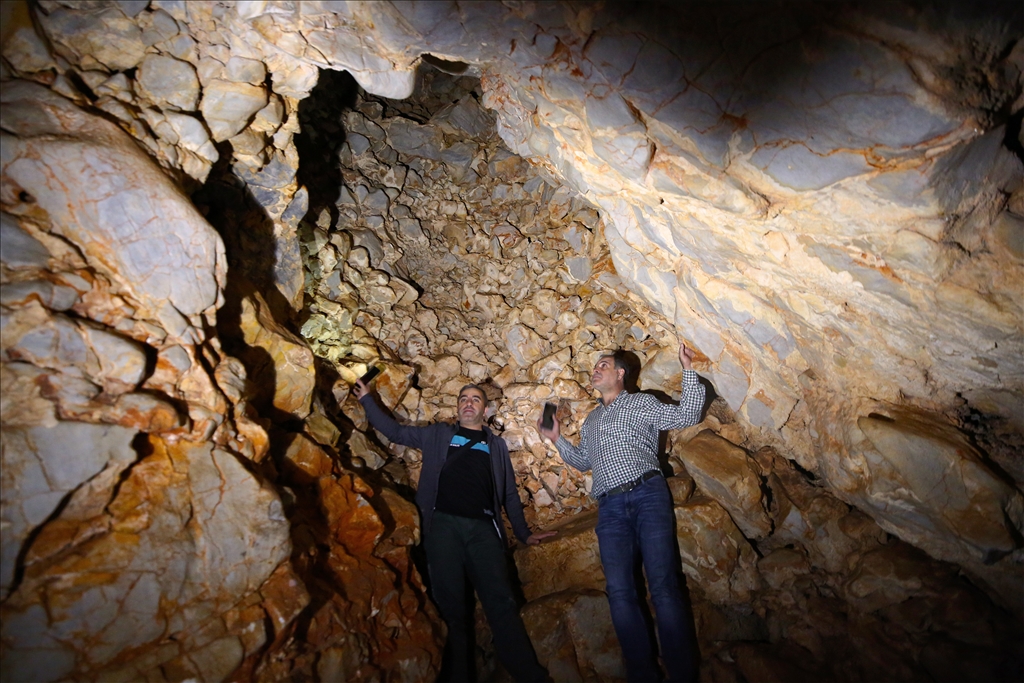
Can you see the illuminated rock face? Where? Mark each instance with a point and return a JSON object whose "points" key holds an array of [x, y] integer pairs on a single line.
{"points": [[144, 530], [825, 201]]}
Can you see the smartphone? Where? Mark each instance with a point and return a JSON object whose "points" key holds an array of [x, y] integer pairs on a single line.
{"points": [[370, 374], [548, 421]]}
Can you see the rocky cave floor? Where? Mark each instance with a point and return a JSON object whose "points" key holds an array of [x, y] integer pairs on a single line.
{"points": [[431, 248]]}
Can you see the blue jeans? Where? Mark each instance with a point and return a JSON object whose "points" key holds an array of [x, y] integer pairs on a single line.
{"points": [[641, 522]]}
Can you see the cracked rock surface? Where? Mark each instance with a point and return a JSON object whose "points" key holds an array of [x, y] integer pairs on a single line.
{"points": [[216, 216]]}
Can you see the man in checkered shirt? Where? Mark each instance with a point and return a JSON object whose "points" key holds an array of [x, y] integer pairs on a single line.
{"points": [[619, 443]]}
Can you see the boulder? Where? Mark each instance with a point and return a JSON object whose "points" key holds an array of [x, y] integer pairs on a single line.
{"points": [[573, 635], [567, 562], [726, 473], [931, 487], [715, 554]]}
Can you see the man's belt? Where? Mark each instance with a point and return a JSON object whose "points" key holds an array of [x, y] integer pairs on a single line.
{"points": [[629, 485]]}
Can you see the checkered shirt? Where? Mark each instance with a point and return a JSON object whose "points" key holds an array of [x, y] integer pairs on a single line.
{"points": [[619, 442]]}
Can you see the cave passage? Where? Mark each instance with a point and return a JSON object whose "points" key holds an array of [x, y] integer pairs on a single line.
{"points": [[216, 216]]}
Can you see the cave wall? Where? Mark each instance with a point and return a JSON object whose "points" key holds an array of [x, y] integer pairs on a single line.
{"points": [[826, 202]]}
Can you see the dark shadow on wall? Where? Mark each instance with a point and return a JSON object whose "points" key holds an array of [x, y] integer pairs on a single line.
{"points": [[249, 243], [321, 137]]}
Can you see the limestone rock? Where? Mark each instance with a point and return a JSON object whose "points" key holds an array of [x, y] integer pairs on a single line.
{"points": [[19, 249], [573, 635], [810, 517], [714, 553], [228, 107], [42, 465], [113, 362], [824, 204], [278, 361], [949, 502], [235, 551], [323, 431], [97, 190], [568, 561], [368, 454], [103, 37], [725, 473], [525, 345], [168, 82]]}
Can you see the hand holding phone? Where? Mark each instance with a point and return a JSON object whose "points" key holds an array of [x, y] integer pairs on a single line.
{"points": [[370, 374], [548, 420]]}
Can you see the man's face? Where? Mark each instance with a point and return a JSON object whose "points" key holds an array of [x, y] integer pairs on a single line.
{"points": [[472, 405], [606, 376]]}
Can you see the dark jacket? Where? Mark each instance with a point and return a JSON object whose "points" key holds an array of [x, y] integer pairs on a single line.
{"points": [[433, 441]]}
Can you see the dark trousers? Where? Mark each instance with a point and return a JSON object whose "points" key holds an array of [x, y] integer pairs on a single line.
{"points": [[458, 547], [641, 523]]}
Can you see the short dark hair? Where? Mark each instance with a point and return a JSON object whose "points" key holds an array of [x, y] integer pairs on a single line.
{"points": [[478, 388], [621, 363]]}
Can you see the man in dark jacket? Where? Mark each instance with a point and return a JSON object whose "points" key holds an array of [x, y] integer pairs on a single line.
{"points": [[466, 479]]}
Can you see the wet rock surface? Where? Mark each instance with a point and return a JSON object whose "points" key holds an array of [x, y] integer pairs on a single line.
{"points": [[216, 217]]}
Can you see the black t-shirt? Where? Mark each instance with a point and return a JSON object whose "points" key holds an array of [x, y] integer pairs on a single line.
{"points": [[466, 482]]}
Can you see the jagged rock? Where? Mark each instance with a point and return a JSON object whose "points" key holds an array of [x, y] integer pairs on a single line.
{"points": [[104, 38], [279, 363], [944, 487], [168, 82], [228, 107], [125, 542], [18, 249], [569, 561], [59, 343], [573, 636], [728, 475], [323, 431], [809, 517], [105, 193], [714, 553], [42, 465], [734, 179], [368, 454]]}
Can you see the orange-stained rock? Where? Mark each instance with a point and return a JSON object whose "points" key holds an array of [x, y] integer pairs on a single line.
{"points": [[355, 524], [568, 561], [681, 485], [284, 597], [889, 575], [148, 570], [810, 517], [928, 484], [254, 443], [405, 518], [368, 610], [322, 429], [307, 457], [279, 363], [573, 635], [826, 271], [368, 454], [393, 382]]}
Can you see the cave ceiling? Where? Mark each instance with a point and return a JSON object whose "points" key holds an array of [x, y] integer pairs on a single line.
{"points": [[824, 200]]}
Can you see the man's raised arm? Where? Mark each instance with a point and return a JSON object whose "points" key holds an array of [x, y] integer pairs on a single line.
{"points": [[407, 435]]}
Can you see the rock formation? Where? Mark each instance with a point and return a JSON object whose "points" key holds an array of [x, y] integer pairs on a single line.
{"points": [[217, 215]]}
